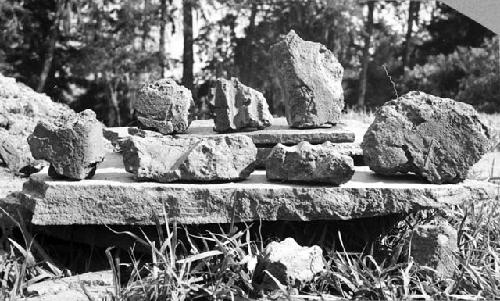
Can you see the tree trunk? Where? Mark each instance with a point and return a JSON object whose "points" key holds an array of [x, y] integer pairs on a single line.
{"points": [[188, 57], [114, 117], [51, 47], [163, 28], [498, 41], [366, 54], [113, 111], [247, 74], [413, 13], [145, 24]]}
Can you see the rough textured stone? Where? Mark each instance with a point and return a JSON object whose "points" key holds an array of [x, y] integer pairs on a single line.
{"points": [[238, 107], [434, 246], [164, 106], [116, 136], [436, 138], [265, 140], [114, 197], [168, 159], [280, 132], [309, 163], [288, 262], [98, 286], [310, 77], [349, 149], [15, 153], [20, 110], [73, 144]]}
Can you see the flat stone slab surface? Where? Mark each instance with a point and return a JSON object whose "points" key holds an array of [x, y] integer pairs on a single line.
{"points": [[113, 197], [279, 132]]}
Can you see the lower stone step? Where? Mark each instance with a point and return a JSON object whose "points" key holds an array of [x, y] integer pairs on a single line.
{"points": [[113, 197]]}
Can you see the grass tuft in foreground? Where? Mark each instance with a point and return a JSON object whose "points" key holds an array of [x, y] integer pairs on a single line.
{"points": [[18, 265], [221, 266]]}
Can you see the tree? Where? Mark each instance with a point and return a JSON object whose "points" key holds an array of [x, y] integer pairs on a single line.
{"points": [[51, 43], [413, 16], [449, 29], [247, 71], [188, 56], [109, 61], [366, 53], [163, 29]]}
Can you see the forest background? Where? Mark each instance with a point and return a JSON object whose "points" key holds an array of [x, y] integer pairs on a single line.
{"points": [[96, 54]]}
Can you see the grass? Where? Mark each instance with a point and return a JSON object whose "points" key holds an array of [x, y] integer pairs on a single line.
{"points": [[222, 266], [216, 266], [18, 265]]}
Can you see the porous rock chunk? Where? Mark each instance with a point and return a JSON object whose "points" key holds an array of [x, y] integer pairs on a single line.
{"points": [[169, 159], [239, 107], [288, 262], [163, 106], [309, 163], [435, 245], [436, 138], [73, 145], [20, 110], [310, 78]]}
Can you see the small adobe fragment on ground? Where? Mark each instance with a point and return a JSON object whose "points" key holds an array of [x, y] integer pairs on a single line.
{"points": [[288, 262]]}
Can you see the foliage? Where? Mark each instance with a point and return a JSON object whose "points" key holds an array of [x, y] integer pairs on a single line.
{"points": [[467, 75], [222, 268], [105, 49], [336, 24], [19, 267], [449, 29], [215, 266]]}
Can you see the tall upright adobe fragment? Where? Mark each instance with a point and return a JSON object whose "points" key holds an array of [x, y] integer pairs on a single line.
{"points": [[310, 78], [238, 107]]}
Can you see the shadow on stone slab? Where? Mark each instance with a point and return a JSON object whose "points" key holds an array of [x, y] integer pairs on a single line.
{"points": [[54, 175], [304, 184], [402, 177]]}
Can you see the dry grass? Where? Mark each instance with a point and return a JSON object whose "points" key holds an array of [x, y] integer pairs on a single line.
{"points": [[222, 269], [218, 270], [363, 115], [221, 266], [18, 265]]}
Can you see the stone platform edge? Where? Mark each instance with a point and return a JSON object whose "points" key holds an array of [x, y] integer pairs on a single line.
{"points": [[115, 199]]}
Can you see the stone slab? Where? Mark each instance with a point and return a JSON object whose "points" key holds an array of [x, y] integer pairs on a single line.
{"points": [[279, 132], [113, 197], [349, 149]]}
